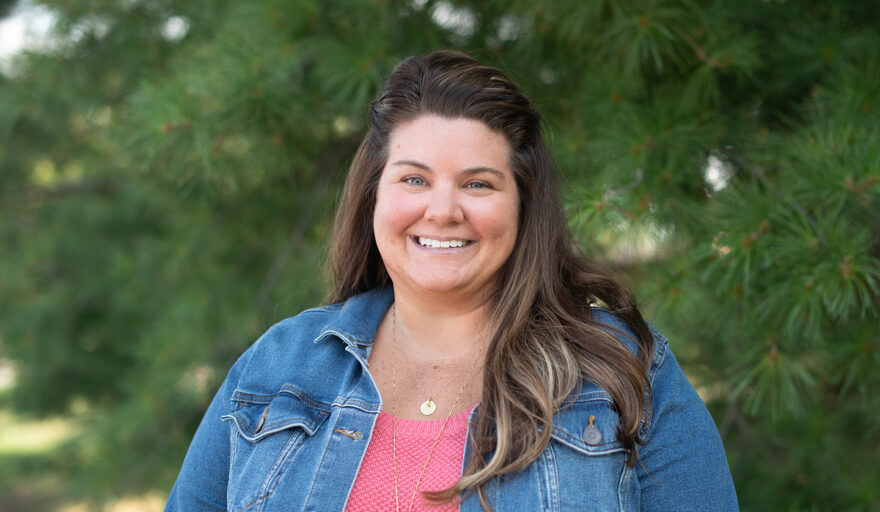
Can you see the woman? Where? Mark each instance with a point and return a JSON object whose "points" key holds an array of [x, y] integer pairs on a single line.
{"points": [[460, 362]]}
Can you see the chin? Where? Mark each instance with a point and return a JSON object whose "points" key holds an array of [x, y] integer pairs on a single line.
{"points": [[435, 285], [439, 287]]}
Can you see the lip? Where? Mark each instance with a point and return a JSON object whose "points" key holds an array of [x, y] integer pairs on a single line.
{"points": [[414, 239]]}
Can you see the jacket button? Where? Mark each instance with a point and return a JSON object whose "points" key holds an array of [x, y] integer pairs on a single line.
{"points": [[262, 420], [592, 436]]}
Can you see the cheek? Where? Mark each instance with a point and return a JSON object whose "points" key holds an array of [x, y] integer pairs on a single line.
{"points": [[501, 220], [390, 217]]}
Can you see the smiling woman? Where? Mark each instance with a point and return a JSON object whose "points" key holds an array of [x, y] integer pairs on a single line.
{"points": [[446, 209], [470, 357]]}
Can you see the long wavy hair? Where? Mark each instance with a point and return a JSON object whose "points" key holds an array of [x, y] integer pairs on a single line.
{"points": [[544, 340]]}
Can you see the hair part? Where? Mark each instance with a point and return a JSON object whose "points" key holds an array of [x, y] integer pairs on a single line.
{"points": [[545, 341]]}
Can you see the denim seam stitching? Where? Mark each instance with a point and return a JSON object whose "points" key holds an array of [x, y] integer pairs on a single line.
{"points": [[554, 484], [600, 450], [285, 389], [315, 480], [621, 483], [233, 447], [366, 407], [301, 395], [267, 489], [259, 499], [308, 424], [661, 358], [352, 402], [288, 390], [543, 483], [603, 451], [288, 459]]}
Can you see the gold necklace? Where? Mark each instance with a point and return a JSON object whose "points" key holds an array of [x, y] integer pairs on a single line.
{"points": [[412, 500], [429, 406]]}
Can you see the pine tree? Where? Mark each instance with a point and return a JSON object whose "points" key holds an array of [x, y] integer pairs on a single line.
{"points": [[169, 171]]}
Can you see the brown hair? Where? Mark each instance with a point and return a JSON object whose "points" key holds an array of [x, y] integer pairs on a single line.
{"points": [[544, 338]]}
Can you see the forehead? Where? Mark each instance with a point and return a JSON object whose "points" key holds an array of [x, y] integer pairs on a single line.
{"points": [[443, 141]]}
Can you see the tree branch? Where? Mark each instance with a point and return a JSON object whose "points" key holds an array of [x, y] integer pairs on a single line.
{"points": [[762, 177], [698, 51], [336, 157], [294, 239], [729, 415]]}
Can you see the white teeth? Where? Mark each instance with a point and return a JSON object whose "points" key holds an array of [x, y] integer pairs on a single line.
{"points": [[437, 244]]}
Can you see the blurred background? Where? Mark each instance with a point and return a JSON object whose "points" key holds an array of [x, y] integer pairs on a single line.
{"points": [[169, 171]]}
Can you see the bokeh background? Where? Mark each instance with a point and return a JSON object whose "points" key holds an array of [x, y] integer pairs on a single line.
{"points": [[169, 170]]}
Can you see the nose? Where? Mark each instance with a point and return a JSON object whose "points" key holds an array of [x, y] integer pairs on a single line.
{"points": [[444, 206]]}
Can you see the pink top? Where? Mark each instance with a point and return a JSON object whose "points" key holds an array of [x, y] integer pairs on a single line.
{"points": [[374, 485]]}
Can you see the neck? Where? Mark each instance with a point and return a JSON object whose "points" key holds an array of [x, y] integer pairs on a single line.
{"points": [[438, 331]]}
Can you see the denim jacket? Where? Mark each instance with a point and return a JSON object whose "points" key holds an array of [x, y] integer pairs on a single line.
{"points": [[290, 425]]}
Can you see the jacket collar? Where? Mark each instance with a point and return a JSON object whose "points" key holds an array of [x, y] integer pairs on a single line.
{"points": [[358, 318]]}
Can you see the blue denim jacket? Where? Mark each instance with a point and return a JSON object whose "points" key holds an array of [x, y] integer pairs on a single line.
{"points": [[289, 427]]}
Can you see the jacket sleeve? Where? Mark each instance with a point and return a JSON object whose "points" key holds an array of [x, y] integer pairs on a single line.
{"points": [[201, 484], [682, 465]]}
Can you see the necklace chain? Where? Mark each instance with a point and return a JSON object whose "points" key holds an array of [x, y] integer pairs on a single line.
{"points": [[430, 404], [394, 415]]}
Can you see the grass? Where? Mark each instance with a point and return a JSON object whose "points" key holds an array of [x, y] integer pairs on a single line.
{"points": [[36, 473], [20, 436]]}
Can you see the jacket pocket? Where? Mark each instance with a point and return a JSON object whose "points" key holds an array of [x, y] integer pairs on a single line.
{"points": [[266, 435], [589, 461], [258, 416], [589, 425]]}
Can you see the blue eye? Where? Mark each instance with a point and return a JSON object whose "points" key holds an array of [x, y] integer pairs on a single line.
{"points": [[478, 185], [415, 180]]}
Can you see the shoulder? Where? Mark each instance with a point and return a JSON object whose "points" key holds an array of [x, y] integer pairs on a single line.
{"points": [[352, 322], [313, 348], [274, 360], [615, 326], [592, 401], [292, 332], [292, 335], [681, 462], [667, 384], [672, 398]]}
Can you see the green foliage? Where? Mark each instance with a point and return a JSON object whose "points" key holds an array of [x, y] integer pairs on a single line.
{"points": [[169, 172]]}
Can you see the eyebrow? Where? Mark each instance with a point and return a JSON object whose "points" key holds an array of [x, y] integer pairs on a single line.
{"points": [[469, 170]]}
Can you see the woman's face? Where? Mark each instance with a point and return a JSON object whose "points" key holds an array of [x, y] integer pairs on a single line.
{"points": [[447, 206]]}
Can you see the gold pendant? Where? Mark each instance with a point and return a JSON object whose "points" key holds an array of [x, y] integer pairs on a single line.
{"points": [[428, 407]]}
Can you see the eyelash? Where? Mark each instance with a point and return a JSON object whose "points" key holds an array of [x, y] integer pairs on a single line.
{"points": [[418, 181], [411, 179]]}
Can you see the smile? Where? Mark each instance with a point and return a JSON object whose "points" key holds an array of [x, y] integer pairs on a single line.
{"points": [[441, 244]]}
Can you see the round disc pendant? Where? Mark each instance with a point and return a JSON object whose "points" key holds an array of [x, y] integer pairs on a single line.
{"points": [[428, 407]]}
